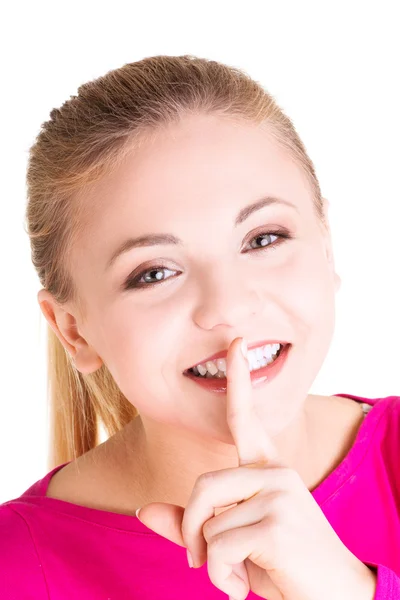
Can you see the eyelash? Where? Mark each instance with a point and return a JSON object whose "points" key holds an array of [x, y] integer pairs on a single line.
{"points": [[133, 282]]}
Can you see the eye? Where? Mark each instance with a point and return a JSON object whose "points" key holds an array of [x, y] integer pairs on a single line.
{"points": [[146, 278], [265, 240]]}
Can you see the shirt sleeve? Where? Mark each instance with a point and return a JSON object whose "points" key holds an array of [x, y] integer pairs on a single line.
{"points": [[388, 584], [21, 574]]}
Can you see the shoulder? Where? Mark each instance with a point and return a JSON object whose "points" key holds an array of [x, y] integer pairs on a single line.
{"points": [[388, 425], [385, 414], [79, 482], [13, 526], [382, 436], [393, 403], [20, 566], [97, 480]]}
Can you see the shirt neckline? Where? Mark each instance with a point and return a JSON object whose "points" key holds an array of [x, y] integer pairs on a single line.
{"points": [[322, 493]]}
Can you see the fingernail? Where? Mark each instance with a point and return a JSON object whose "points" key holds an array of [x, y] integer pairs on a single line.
{"points": [[244, 348], [189, 558], [137, 513]]}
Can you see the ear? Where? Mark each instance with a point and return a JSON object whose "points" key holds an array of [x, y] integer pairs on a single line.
{"points": [[65, 326], [329, 248]]}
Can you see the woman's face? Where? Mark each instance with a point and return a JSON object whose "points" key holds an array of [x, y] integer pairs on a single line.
{"points": [[191, 181]]}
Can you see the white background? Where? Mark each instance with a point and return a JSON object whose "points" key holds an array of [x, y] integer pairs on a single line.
{"points": [[332, 66]]}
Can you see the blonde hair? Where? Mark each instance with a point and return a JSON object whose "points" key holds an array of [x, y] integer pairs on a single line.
{"points": [[83, 141]]}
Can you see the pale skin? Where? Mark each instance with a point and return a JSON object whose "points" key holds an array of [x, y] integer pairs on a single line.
{"points": [[275, 531], [191, 180]]}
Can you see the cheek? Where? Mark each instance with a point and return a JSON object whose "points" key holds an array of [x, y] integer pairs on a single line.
{"points": [[317, 303], [306, 289], [139, 346], [315, 296]]}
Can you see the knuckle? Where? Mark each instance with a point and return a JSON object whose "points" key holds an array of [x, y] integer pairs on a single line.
{"points": [[275, 501], [204, 481], [216, 543], [208, 531], [277, 507], [272, 531]]}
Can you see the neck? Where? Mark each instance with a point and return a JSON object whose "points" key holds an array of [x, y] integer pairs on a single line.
{"points": [[167, 460]]}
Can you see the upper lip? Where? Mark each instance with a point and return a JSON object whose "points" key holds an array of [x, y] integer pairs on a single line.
{"points": [[224, 353]]}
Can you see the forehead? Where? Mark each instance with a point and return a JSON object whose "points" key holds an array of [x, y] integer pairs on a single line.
{"points": [[205, 161]]}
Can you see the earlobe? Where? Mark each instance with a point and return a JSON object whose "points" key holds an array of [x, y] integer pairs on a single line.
{"points": [[86, 360]]}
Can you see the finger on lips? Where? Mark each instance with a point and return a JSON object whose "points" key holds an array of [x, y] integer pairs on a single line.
{"points": [[255, 450], [252, 442]]}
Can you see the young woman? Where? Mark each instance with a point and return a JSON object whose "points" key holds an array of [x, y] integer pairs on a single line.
{"points": [[174, 213]]}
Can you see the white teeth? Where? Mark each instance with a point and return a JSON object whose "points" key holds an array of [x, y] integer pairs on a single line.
{"points": [[211, 368], [259, 357], [259, 354], [268, 351], [221, 364], [253, 362], [202, 370]]}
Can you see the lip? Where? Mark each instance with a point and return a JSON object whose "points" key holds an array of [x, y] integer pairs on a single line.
{"points": [[224, 353], [261, 376]]}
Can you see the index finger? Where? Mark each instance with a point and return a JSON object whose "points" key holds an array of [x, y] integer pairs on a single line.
{"points": [[252, 442]]}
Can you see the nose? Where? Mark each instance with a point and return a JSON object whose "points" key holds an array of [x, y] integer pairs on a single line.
{"points": [[226, 299]]}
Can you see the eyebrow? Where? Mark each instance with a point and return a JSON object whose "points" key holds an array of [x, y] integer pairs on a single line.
{"points": [[155, 239]]}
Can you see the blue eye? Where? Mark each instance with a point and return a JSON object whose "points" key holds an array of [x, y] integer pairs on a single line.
{"points": [[141, 281]]}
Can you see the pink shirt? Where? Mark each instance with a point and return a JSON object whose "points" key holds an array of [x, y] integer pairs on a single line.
{"points": [[52, 549]]}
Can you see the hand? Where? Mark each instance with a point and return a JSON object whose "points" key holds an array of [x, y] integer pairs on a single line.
{"points": [[275, 540]]}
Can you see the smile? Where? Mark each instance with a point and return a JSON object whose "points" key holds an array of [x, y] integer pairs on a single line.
{"points": [[259, 372]]}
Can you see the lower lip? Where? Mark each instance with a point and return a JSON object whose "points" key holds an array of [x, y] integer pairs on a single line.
{"points": [[258, 377]]}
